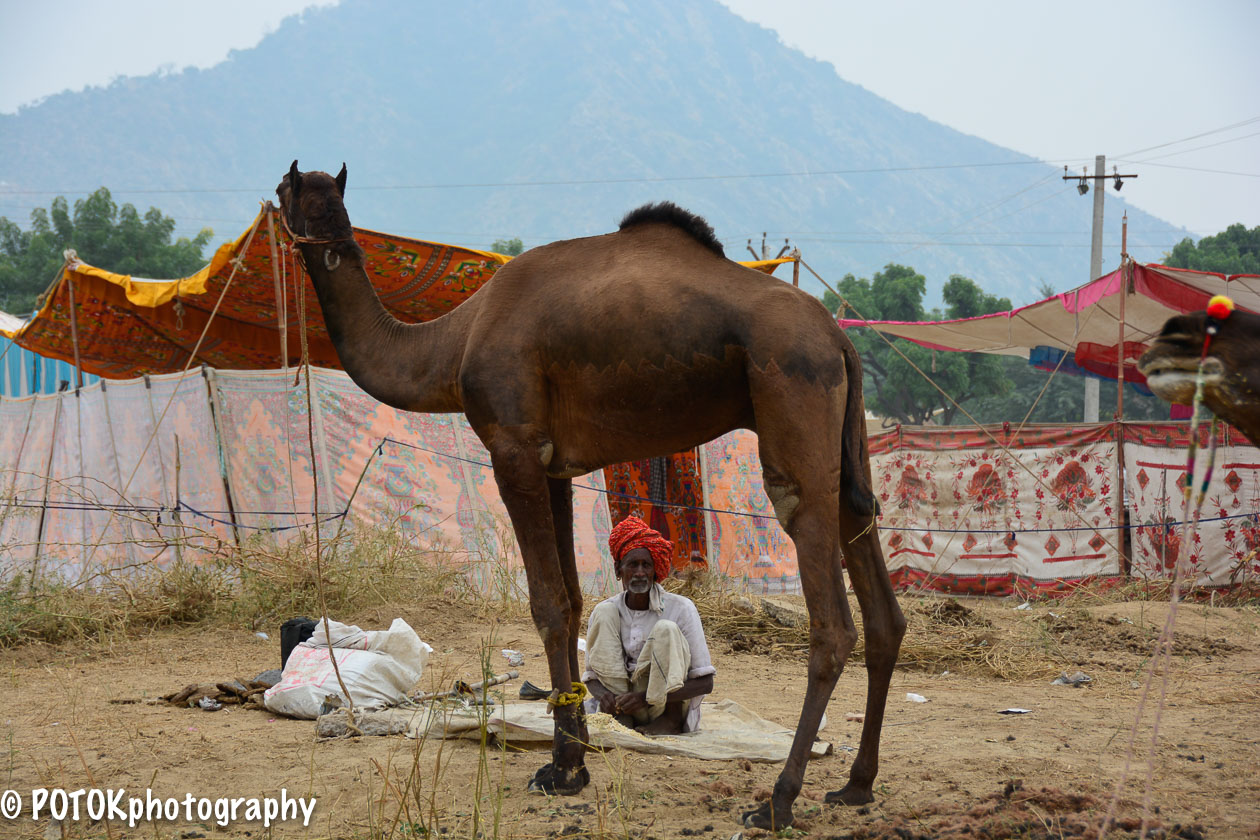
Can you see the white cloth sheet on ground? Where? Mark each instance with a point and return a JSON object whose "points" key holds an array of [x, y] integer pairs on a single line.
{"points": [[730, 730]]}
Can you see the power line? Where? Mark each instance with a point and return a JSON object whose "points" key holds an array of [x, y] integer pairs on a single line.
{"points": [[984, 211], [1247, 121], [931, 243], [1199, 148], [808, 173], [1197, 169]]}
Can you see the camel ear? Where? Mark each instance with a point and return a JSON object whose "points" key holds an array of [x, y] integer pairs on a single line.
{"points": [[295, 179], [341, 181]]}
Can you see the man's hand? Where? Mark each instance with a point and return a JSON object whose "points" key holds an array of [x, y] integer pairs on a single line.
{"points": [[608, 703], [631, 702]]}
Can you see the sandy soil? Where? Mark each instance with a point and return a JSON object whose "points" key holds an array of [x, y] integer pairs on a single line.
{"points": [[950, 767]]}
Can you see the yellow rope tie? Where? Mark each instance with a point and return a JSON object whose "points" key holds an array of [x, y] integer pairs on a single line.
{"points": [[869, 527], [577, 695]]}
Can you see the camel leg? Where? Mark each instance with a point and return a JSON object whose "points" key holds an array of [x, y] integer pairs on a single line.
{"points": [[560, 491], [884, 626], [815, 532], [526, 494]]}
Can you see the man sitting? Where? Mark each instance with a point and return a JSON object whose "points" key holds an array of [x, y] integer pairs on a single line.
{"points": [[647, 661]]}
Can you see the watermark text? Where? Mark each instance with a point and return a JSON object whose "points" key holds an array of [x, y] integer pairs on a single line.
{"points": [[114, 804]]}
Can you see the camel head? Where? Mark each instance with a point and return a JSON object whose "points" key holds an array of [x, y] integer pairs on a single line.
{"points": [[312, 207], [1231, 387]]}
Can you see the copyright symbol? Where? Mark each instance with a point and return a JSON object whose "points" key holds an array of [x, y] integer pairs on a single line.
{"points": [[10, 804]]}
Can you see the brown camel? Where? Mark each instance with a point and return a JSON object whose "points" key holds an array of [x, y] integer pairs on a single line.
{"points": [[635, 344], [1231, 386]]}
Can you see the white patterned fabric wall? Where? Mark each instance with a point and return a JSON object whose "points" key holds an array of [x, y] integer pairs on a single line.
{"points": [[1223, 550], [86, 485], [988, 511]]}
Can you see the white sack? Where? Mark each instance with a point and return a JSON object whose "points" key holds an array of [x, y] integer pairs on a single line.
{"points": [[379, 668]]}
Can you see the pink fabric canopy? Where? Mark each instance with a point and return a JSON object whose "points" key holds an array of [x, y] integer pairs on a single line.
{"points": [[1085, 321]]}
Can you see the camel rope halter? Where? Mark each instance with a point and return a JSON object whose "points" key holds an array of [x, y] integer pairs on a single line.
{"points": [[295, 240], [1218, 309]]}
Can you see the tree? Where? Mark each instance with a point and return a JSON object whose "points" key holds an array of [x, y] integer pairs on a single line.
{"points": [[509, 247], [1234, 251], [102, 234], [894, 388]]}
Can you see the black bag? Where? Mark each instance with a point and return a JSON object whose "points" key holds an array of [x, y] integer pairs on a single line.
{"points": [[292, 633]]}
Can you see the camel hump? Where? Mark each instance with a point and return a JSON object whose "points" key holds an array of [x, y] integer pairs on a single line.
{"points": [[669, 213]]}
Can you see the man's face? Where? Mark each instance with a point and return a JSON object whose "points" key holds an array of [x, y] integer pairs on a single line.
{"points": [[636, 571]]}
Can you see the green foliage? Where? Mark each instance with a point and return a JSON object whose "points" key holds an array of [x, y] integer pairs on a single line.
{"points": [[509, 247], [1234, 251], [103, 234], [893, 387]]}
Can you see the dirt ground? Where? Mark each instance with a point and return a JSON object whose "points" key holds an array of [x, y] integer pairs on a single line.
{"points": [[951, 767]]}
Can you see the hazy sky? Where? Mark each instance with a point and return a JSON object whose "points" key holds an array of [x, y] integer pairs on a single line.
{"points": [[1060, 81]]}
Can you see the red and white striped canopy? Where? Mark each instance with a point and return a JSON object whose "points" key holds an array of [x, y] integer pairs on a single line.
{"points": [[1084, 322]]}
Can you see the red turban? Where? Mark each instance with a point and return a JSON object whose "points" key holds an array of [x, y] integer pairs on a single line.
{"points": [[631, 533]]}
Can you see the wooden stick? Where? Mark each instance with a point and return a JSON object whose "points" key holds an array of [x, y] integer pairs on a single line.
{"points": [[464, 688]]}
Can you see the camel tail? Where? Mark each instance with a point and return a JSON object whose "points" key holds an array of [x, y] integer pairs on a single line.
{"points": [[854, 453]]}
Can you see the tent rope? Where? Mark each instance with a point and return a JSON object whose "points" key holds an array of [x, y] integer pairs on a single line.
{"points": [[237, 263], [299, 279]]}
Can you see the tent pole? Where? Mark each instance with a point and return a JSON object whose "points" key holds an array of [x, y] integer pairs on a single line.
{"points": [[212, 393], [282, 313], [74, 331], [1122, 510], [43, 509], [176, 518], [1124, 294], [133, 551]]}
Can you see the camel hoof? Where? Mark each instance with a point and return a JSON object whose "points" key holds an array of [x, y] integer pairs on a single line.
{"points": [[763, 816], [555, 782], [849, 795]]}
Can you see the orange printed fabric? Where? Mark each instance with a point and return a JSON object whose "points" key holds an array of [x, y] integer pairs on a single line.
{"points": [[676, 512], [248, 294], [748, 544], [122, 334]]}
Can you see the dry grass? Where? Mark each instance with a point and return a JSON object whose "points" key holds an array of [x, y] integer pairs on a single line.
{"points": [[259, 583], [941, 634], [47, 609], [944, 634]]}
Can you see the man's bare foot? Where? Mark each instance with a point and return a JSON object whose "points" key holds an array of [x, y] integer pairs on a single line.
{"points": [[663, 725]]}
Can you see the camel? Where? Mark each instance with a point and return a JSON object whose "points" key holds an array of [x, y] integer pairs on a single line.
{"points": [[620, 347], [1231, 387]]}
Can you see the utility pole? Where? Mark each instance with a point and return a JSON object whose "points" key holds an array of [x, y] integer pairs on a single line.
{"points": [[1095, 250], [765, 249]]}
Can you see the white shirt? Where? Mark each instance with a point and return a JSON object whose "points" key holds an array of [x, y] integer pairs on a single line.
{"points": [[637, 624]]}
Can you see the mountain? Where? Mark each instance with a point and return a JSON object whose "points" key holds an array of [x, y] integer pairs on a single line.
{"points": [[548, 119]]}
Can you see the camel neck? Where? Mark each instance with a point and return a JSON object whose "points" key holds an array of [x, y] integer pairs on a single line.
{"points": [[413, 367]]}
